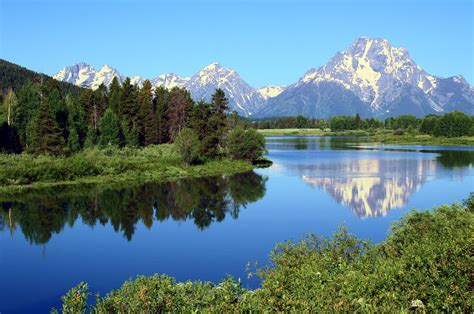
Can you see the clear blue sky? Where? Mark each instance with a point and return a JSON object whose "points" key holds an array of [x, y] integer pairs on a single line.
{"points": [[266, 42]]}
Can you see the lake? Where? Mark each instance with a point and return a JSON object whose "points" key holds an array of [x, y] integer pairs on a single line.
{"points": [[203, 229]]}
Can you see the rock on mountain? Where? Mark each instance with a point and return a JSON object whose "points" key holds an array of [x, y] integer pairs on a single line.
{"points": [[375, 79]]}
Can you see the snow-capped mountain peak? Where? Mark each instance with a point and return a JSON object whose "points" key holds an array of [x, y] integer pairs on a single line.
{"points": [[270, 91], [371, 68], [169, 80], [372, 77]]}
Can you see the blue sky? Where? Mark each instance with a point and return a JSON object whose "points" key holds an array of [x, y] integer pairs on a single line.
{"points": [[266, 42]]}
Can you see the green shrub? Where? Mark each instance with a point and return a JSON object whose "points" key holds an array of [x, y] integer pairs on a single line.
{"points": [[245, 144], [399, 132], [188, 145]]}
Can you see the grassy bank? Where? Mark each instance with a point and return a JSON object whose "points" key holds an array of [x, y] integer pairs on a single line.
{"points": [[310, 132], [388, 137], [425, 264], [378, 136], [110, 166]]}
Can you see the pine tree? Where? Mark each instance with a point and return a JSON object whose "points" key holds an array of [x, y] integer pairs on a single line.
{"points": [[179, 110], [73, 143], [114, 96], [212, 142], [128, 104], [147, 119], [109, 129], [91, 137], [161, 105], [357, 121], [47, 135], [77, 125]]}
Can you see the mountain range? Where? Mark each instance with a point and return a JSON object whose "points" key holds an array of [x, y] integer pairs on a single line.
{"points": [[371, 77]]}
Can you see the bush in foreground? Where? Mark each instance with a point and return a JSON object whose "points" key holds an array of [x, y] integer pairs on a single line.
{"points": [[425, 264]]}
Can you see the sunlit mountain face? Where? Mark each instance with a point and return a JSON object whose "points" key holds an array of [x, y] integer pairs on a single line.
{"points": [[369, 180]]}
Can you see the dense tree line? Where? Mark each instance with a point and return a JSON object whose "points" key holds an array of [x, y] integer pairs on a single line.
{"points": [[41, 118], [452, 124]]}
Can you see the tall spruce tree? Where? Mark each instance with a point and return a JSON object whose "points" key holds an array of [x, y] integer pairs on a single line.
{"points": [[109, 129], [179, 109], [47, 136], [114, 96], [213, 141], [148, 123], [161, 100]]}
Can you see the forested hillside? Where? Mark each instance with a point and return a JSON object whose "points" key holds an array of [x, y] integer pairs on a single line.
{"points": [[14, 76]]}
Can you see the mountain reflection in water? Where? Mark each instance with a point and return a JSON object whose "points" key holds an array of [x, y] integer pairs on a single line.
{"points": [[203, 200], [370, 180]]}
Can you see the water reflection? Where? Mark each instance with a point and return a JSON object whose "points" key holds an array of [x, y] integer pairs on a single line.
{"points": [[203, 200], [372, 187], [370, 180]]}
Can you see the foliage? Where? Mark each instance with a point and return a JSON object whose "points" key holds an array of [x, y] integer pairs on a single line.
{"points": [[453, 124], [110, 129], [188, 145], [105, 165], [15, 77], [245, 144], [424, 265]]}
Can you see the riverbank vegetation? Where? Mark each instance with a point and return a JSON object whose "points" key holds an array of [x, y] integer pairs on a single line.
{"points": [[108, 166], [117, 133], [425, 264], [453, 128]]}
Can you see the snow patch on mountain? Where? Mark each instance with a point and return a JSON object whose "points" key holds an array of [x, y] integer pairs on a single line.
{"points": [[270, 91]]}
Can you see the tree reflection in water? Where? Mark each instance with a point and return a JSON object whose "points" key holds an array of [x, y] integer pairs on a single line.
{"points": [[204, 200]]}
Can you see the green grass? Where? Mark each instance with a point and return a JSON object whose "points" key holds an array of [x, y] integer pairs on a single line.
{"points": [[425, 265], [387, 137], [309, 132], [110, 166], [377, 136]]}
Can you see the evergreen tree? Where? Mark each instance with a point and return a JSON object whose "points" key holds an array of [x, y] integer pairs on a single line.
{"points": [[130, 134], [109, 129], [91, 137], [73, 143], [357, 121], [128, 103], [77, 124], [99, 104], [161, 105], [29, 102], [47, 135], [114, 96], [213, 140], [179, 110], [199, 119], [149, 126]]}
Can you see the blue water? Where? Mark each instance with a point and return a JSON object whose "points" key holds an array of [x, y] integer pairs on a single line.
{"points": [[205, 229]]}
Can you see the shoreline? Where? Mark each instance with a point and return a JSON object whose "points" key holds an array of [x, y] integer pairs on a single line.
{"points": [[375, 138]]}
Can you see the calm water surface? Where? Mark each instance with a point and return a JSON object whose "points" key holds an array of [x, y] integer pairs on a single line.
{"points": [[207, 228]]}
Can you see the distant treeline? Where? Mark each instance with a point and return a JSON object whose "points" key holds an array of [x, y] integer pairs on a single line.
{"points": [[452, 124]]}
